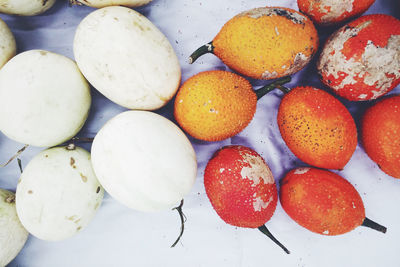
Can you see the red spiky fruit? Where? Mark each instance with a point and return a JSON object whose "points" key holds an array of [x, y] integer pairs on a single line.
{"points": [[360, 61], [380, 130], [328, 12], [241, 188], [317, 128], [323, 202]]}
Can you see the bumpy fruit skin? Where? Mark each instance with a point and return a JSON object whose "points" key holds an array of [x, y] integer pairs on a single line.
{"points": [[241, 187], [361, 61], [215, 105], [267, 42], [380, 130], [321, 201], [317, 128], [329, 12]]}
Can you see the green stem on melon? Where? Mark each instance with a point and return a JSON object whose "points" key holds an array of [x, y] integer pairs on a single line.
{"points": [[20, 164], [82, 139], [207, 48], [371, 224], [275, 84], [183, 219], [266, 232], [13, 157]]}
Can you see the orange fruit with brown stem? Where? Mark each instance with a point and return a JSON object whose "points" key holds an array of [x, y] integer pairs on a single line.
{"points": [[317, 128], [361, 60], [328, 12], [323, 202], [380, 130], [264, 43], [215, 105]]}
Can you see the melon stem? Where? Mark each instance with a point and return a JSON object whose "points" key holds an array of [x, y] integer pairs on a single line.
{"points": [[13, 157], [266, 232], [371, 224], [205, 49], [275, 84], [183, 219], [20, 165]]}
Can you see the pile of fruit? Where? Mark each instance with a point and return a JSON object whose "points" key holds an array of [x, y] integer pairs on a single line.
{"points": [[147, 162]]}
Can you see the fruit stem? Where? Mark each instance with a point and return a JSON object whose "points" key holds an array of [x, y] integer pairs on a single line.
{"points": [[371, 224], [20, 164], [275, 84], [207, 48], [183, 219], [13, 157], [266, 232]]}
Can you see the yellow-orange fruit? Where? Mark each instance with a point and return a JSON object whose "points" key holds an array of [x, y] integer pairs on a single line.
{"points": [[215, 105], [328, 12], [317, 128], [266, 42], [321, 201], [380, 130]]}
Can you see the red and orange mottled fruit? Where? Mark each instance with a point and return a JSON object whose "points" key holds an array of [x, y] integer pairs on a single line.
{"points": [[265, 43], [241, 187], [361, 61], [317, 128], [215, 105], [380, 131], [329, 12], [323, 202]]}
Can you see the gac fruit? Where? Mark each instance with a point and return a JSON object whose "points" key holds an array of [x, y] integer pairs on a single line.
{"points": [[317, 128], [323, 202], [264, 43], [360, 61], [215, 105], [328, 12], [380, 130], [241, 188]]}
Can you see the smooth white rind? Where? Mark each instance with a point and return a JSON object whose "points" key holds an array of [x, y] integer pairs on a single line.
{"points": [[125, 57], [105, 3], [58, 193], [8, 47], [144, 161], [25, 7], [44, 99], [12, 234]]}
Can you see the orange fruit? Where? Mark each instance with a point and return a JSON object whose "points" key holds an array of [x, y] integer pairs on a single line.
{"points": [[317, 128], [323, 202], [360, 61], [265, 43], [328, 12], [215, 105], [380, 130]]}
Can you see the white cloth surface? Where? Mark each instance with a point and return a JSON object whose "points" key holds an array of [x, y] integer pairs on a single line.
{"points": [[121, 237]]}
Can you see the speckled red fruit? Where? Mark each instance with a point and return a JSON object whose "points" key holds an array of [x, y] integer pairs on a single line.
{"points": [[361, 61], [317, 128], [241, 187], [321, 201], [380, 134], [329, 12]]}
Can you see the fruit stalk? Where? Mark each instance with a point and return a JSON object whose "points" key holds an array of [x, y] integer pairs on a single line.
{"points": [[371, 224], [183, 219], [13, 157], [205, 49], [266, 232], [276, 84]]}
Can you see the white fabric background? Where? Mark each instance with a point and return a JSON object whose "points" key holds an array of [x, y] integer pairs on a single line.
{"points": [[121, 237]]}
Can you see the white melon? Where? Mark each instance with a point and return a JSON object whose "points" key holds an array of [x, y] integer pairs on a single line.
{"points": [[144, 161]]}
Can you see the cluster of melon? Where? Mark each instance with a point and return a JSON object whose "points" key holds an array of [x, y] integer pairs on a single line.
{"points": [[135, 66]]}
